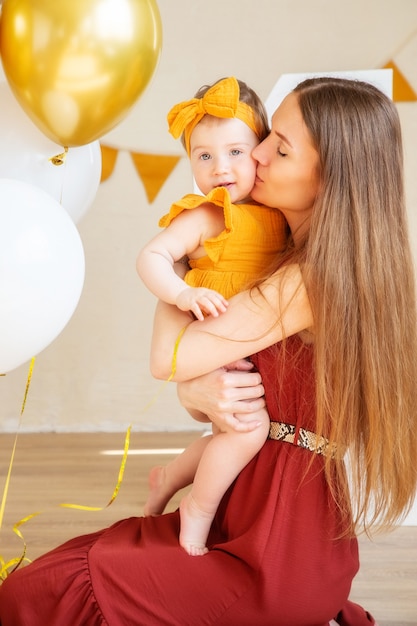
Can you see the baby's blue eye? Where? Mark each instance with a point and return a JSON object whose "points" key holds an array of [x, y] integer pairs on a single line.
{"points": [[205, 156], [236, 152]]}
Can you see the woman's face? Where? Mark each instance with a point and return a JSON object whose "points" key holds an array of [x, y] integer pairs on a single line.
{"points": [[288, 166]]}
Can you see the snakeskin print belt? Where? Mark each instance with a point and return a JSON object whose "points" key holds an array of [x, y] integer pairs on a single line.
{"points": [[279, 431]]}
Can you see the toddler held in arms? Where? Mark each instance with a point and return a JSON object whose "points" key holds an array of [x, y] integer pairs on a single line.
{"points": [[228, 241]]}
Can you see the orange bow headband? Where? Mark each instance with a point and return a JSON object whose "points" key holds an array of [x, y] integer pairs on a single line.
{"points": [[221, 100]]}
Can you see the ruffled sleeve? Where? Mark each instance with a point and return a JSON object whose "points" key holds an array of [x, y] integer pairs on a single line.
{"points": [[219, 196]]}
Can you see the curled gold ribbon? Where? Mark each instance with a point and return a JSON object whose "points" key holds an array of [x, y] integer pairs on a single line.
{"points": [[6, 568], [14, 563], [119, 481], [127, 439], [59, 159], [174, 356]]}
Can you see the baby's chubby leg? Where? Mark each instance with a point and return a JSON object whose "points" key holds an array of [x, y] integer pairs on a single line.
{"points": [[165, 481], [225, 456]]}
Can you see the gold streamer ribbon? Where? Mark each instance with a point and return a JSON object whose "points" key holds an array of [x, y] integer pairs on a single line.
{"points": [[119, 481], [127, 440], [16, 562], [174, 356], [5, 566]]}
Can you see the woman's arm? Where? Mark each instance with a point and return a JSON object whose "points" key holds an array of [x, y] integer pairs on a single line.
{"points": [[253, 321]]}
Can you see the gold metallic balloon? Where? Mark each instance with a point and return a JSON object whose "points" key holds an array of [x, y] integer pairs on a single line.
{"points": [[77, 66]]}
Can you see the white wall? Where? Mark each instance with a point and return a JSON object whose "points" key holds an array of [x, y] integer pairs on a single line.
{"points": [[95, 376]]}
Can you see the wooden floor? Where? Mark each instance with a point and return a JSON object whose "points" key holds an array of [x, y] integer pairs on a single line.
{"points": [[50, 469]]}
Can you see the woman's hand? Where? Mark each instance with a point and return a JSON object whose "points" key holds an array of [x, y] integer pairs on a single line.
{"points": [[228, 396]]}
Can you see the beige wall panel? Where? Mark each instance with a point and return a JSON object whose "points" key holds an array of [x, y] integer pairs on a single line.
{"points": [[95, 375]]}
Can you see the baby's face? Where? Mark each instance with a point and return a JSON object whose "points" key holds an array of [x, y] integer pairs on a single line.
{"points": [[221, 156]]}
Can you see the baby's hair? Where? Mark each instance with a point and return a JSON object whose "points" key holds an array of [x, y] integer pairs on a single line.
{"points": [[249, 97]]}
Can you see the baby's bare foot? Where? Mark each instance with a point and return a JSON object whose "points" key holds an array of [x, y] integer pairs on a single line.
{"points": [[195, 526], [158, 496]]}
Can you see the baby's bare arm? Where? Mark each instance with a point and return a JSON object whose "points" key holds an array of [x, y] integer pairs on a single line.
{"points": [[184, 236], [155, 262]]}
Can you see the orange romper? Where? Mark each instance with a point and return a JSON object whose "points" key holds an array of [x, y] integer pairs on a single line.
{"points": [[252, 236]]}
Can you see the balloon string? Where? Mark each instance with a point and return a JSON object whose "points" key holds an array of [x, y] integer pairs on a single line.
{"points": [[4, 567], [16, 562], [59, 159], [127, 438], [175, 354], [119, 481], [6, 488]]}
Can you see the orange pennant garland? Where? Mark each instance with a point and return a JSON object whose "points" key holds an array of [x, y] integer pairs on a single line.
{"points": [[402, 90], [108, 161], [153, 169]]}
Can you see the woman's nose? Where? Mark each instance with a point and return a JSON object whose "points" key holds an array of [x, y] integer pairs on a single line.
{"points": [[258, 153]]}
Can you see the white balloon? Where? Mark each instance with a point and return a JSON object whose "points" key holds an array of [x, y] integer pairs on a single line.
{"points": [[42, 271], [25, 155]]}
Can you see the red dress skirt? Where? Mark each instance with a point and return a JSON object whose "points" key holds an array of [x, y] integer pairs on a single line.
{"points": [[274, 557]]}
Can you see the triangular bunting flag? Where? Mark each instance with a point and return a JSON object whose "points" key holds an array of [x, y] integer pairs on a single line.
{"points": [[402, 90], [108, 160], [153, 169]]}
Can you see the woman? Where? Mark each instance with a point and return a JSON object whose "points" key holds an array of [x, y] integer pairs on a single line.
{"points": [[282, 545]]}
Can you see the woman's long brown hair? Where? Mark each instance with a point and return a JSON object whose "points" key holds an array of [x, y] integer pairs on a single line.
{"points": [[358, 269]]}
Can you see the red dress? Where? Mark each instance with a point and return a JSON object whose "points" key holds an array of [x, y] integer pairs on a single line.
{"points": [[274, 558]]}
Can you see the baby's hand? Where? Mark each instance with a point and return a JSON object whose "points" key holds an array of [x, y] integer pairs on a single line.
{"points": [[200, 300]]}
